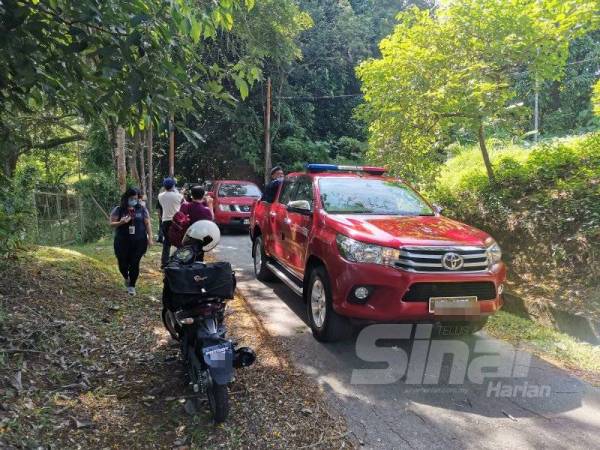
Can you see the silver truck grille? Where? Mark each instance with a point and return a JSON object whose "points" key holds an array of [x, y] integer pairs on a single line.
{"points": [[442, 259]]}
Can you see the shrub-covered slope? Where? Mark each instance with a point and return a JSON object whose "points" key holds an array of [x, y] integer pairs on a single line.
{"points": [[544, 210]]}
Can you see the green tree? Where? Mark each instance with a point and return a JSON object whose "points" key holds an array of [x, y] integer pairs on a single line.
{"points": [[452, 68], [130, 62]]}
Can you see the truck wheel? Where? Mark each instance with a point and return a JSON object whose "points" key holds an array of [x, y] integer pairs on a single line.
{"points": [[261, 270], [326, 324]]}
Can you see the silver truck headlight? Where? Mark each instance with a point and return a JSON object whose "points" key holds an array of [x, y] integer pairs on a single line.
{"points": [[224, 208], [360, 252], [493, 252]]}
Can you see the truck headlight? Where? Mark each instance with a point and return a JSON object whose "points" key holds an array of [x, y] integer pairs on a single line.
{"points": [[224, 208], [357, 251], [493, 252]]}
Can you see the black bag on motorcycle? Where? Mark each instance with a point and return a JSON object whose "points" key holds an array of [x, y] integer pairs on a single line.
{"points": [[191, 283]]}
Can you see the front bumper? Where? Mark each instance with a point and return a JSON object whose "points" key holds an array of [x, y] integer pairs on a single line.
{"points": [[389, 286], [232, 219]]}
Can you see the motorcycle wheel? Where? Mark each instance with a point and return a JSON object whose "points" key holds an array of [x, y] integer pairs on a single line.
{"points": [[218, 400], [170, 324]]}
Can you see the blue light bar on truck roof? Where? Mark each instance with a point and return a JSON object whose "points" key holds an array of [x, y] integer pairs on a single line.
{"points": [[339, 168]]}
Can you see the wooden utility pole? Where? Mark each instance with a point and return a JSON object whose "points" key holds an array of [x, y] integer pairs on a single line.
{"points": [[268, 163], [172, 146], [150, 167]]}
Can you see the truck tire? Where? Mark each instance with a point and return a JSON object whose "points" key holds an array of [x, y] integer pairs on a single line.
{"points": [[325, 323], [262, 272]]}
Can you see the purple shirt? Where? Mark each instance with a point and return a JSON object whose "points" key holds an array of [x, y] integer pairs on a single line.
{"points": [[196, 211]]}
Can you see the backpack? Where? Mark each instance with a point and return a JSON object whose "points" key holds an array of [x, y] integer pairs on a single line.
{"points": [[178, 228]]}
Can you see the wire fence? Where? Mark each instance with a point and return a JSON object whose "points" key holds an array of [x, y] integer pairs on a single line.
{"points": [[66, 218]]}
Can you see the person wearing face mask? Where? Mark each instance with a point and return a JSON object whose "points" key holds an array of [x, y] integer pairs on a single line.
{"points": [[277, 177], [133, 234]]}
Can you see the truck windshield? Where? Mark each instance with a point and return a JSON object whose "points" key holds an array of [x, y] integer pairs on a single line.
{"points": [[370, 196], [238, 190]]}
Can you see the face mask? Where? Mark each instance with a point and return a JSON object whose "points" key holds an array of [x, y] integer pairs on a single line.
{"points": [[132, 202], [142, 203], [280, 178]]}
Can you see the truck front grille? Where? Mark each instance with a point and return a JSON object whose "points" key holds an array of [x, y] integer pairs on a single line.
{"points": [[422, 292], [430, 259]]}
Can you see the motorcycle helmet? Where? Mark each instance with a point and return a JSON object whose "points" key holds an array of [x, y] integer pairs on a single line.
{"points": [[205, 232]]}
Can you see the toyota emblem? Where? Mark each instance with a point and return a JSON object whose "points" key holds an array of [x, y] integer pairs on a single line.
{"points": [[452, 261]]}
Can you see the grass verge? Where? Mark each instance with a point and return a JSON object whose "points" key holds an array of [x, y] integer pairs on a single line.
{"points": [[82, 365], [578, 357]]}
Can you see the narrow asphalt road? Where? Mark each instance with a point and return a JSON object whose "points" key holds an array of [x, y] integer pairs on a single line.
{"points": [[399, 414]]}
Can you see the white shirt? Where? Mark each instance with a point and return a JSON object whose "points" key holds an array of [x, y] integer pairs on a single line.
{"points": [[170, 201]]}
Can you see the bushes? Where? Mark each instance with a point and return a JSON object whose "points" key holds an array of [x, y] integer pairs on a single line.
{"points": [[17, 217], [544, 208]]}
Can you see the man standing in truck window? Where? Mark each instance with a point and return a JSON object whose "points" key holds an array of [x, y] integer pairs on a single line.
{"points": [[277, 177], [170, 201]]}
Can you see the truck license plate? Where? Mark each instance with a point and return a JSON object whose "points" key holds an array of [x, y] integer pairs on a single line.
{"points": [[454, 306], [246, 221]]}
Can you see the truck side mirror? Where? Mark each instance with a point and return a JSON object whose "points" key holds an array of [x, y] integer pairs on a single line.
{"points": [[437, 208], [299, 206]]}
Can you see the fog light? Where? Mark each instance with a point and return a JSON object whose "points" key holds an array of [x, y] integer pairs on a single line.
{"points": [[500, 289], [361, 293]]}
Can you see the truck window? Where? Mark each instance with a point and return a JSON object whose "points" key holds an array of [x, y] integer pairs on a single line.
{"points": [[238, 190], [286, 191], [304, 191]]}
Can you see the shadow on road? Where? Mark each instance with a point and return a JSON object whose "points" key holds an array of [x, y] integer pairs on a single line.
{"points": [[445, 407]]}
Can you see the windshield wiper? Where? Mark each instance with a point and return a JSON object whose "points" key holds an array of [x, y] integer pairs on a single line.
{"points": [[349, 212]]}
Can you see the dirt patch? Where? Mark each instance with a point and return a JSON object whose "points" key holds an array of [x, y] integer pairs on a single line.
{"points": [[84, 366]]}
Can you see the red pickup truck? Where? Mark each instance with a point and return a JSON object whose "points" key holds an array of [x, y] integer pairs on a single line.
{"points": [[359, 246], [233, 201]]}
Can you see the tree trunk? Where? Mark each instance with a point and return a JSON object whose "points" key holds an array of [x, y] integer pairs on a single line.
{"points": [[486, 155], [10, 163], [150, 167], [120, 157], [132, 162], [139, 149]]}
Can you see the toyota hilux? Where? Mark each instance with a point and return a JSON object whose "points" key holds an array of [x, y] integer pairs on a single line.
{"points": [[362, 247]]}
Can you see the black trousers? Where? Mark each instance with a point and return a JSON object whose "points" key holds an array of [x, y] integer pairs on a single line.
{"points": [[160, 232], [166, 250], [129, 253]]}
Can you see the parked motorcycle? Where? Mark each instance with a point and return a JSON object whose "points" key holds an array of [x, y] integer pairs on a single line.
{"points": [[194, 301]]}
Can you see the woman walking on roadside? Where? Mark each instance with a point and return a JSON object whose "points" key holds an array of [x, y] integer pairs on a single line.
{"points": [[133, 234]]}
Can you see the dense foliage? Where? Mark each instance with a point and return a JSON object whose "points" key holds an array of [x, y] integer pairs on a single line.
{"points": [[543, 209], [452, 70], [130, 63], [314, 94], [71, 73], [16, 205]]}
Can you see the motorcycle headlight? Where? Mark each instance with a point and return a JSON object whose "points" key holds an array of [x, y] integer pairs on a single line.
{"points": [[224, 208], [493, 252], [357, 251]]}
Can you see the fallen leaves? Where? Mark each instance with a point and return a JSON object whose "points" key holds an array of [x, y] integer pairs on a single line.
{"points": [[86, 366]]}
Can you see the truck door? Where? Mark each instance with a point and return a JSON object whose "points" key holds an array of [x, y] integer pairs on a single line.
{"points": [[297, 227], [278, 220]]}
